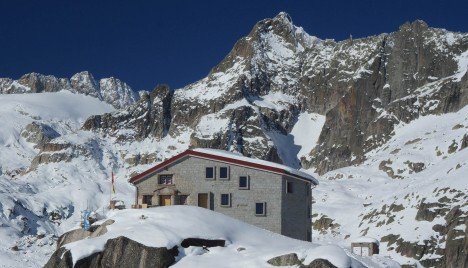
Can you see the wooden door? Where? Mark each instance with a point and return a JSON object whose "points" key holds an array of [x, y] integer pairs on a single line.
{"points": [[164, 200], [203, 200]]}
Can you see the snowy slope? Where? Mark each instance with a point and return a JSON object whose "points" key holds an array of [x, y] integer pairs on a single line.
{"points": [[35, 203], [359, 198], [63, 111]]}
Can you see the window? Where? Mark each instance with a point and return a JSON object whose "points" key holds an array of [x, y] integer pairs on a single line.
{"points": [[289, 187], [225, 200], [307, 188], [183, 199], [224, 173], [309, 236], [165, 179], [309, 212], [147, 199], [244, 183], [260, 209], [209, 174]]}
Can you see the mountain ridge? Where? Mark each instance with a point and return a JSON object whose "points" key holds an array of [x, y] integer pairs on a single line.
{"points": [[325, 87], [111, 90]]}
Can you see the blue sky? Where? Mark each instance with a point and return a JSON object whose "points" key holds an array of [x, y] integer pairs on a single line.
{"points": [[146, 43]]}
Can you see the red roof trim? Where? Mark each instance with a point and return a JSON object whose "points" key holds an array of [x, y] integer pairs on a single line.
{"points": [[213, 157], [158, 167]]}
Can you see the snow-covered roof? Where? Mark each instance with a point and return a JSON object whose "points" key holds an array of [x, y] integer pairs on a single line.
{"points": [[232, 158], [365, 239], [239, 156]]}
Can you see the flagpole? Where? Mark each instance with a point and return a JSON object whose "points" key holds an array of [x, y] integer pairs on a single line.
{"points": [[111, 185]]}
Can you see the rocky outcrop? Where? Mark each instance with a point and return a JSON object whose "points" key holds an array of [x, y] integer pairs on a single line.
{"points": [[456, 248], [291, 259], [324, 224], [61, 258], [121, 251], [60, 151], [149, 117], [320, 263], [39, 134], [447, 246], [118, 252]]}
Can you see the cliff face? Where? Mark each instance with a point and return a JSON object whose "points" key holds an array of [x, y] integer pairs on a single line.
{"points": [[252, 99]]}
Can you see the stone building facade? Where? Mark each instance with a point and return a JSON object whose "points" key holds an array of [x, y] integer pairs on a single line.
{"points": [[271, 196]]}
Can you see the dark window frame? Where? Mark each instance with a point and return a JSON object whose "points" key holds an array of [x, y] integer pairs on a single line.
{"points": [[163, 178], [213, 177], [289, 187], [264, 208], [228, 199], [227, 173], [183, 197], [247, 182], [147, 199]]}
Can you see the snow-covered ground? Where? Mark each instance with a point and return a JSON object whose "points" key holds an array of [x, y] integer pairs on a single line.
{"points": [[168, 226], [40, 203], [45, 202], [348, 194]]}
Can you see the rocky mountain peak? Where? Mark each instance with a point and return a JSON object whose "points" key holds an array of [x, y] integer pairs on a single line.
{"points": [[364, 87], [417, 25], [281, 25], [283, 16], [42, 83], [83, 82], [272, 40], [117, 92]]}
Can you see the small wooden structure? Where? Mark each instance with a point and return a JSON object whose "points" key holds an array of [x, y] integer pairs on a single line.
{"points": [[365, 246]]}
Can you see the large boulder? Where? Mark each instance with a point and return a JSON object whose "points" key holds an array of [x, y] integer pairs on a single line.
{"points": [[291, 259], [118, 252], [79, 234], [320, 263], [285, 260], [60, 259]]}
